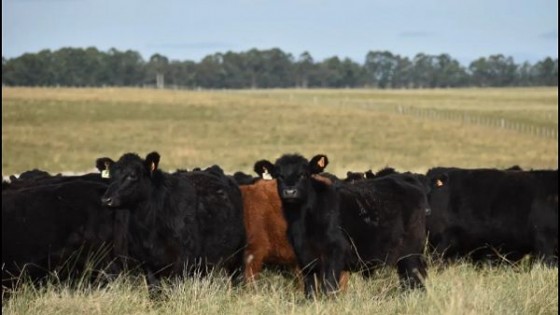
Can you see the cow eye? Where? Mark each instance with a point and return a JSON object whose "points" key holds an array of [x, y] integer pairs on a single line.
{"points": [[132, 177], [302, 176]]}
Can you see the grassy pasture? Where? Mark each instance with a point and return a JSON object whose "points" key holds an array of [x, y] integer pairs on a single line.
{"points": [[67, 129]]}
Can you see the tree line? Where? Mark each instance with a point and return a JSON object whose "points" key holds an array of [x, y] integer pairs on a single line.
{"points": [[270, 68]]}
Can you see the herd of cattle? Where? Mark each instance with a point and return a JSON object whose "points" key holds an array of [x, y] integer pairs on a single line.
{"points": [[293, 213]]}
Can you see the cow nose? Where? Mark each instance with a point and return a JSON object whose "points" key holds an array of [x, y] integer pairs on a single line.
{"points": [[106, 201], [290, 192]]}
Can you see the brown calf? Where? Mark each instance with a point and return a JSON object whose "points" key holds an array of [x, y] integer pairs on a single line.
{"points": [[265, 226]]}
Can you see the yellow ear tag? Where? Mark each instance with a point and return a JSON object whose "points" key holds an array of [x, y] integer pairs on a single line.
{"points": [[439, 183], [266, 175], [105, 174], [321, 162]]}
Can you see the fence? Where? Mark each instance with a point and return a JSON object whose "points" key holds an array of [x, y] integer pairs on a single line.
{"points": [[539, 131], [466, 118]]}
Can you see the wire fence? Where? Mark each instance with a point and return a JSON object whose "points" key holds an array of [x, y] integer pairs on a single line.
{"points": [[435, 114], [539, 131]]}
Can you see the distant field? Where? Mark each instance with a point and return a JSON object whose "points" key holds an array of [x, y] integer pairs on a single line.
{"points": [[67, 129]]}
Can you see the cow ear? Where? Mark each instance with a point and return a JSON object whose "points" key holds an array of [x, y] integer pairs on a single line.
{"points": [[152, 161], [103, 164], [369, 174], [440, 181], [264, 169], [318, 163]]}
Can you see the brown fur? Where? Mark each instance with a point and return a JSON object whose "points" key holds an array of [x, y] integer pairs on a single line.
{"points": [[265, 226]]}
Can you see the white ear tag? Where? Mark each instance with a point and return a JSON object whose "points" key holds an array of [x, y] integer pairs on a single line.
{"points": [[266, 175], [105, 174]]}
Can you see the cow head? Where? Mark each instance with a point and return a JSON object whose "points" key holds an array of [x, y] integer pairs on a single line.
{"points": [[358, 176], [129, 178], [437, 191], [293, 173], [264, 168]]}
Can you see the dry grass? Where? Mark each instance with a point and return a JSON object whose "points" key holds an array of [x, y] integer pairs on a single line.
{"points": [[458, 289], [67, 129]]}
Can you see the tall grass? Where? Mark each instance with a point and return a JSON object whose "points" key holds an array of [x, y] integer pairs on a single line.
{"points": [[458, 289]]}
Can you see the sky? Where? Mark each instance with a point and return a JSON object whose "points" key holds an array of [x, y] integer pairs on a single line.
{"points": [[526, 30]]}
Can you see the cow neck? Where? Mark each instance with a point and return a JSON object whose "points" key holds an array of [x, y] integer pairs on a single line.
{"points": [[154, 207], [301, 211]]}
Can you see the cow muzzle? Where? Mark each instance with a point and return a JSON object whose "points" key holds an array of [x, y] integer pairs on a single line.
{"points": [[290, 194]]}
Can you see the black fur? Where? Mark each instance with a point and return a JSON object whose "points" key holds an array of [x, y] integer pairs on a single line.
{"points": [[191, 220]]}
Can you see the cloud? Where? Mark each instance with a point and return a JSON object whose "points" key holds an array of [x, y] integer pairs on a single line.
{"points": [[550, 35], [415, 34]]}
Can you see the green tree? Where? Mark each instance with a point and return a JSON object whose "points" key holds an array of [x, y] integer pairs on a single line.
{"points": [[29, 70], [380, 67], [330, 72], [495, 70], [353, 75], [158, 65], [449, 72], [402, 73], [277, 69], [423, 72], [546, 72], [210, 73], [182, 73], [525, 75], [303, 69]]}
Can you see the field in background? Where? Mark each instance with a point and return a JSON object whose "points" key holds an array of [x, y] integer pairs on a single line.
{"points": [[67, 129]]}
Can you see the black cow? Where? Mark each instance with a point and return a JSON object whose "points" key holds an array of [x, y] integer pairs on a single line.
{"points": [[478, 212], [58, 227], [186, 221], [34, 174], [37, 177], [350, 226]]}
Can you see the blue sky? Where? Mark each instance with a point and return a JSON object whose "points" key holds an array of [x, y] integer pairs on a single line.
{"points": [[190, 30]]}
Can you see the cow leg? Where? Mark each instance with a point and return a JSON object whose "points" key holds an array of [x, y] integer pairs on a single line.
{"points": [[310, 281], [545, 247], [332, 270], [330, 280], [154, 288], [343, 282], [448, 245], [253, 265], [311, 276], [412, 271], [236, 269]]}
